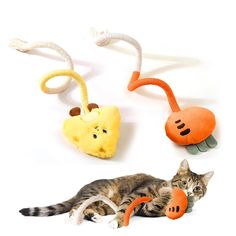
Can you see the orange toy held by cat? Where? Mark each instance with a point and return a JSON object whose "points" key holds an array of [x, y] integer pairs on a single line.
{"points": [[174, 210]]}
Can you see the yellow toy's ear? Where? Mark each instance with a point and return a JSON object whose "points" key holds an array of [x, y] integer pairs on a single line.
{"points": [[95, 133], [75, 111]]}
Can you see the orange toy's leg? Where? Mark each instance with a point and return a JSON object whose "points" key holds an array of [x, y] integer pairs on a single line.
{"points": [[178, 205]]}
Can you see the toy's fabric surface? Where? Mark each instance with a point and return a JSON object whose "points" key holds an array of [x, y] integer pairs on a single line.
{"points": [[132, 206], [174, 210], [96, 131], [178, 204], [191, 127]]}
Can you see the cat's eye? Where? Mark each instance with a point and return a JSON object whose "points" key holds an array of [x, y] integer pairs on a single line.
{"points": [[197, 188], [184, 182]]}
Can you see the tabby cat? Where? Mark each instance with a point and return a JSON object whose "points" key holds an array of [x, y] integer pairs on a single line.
{"points": [[124, 190]]}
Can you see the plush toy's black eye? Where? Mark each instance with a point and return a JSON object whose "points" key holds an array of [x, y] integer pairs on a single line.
{"points": [[95, 136], [184, 182], [104, 131]]}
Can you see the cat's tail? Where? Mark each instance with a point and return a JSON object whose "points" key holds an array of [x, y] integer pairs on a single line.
{"points": [[52, 210]]}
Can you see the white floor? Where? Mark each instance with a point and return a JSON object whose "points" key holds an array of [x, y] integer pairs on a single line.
{"points": [[189, 44]]}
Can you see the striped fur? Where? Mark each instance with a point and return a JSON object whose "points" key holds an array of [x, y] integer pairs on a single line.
{"points": [[56, 209]]}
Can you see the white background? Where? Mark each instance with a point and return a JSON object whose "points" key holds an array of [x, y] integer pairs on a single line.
{"points": [[189, 44]]}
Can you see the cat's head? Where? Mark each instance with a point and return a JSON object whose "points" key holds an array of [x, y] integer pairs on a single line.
{"points": [[191, 183]]}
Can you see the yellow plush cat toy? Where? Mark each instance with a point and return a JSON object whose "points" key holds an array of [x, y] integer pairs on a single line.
{"points": [[95, 132]]}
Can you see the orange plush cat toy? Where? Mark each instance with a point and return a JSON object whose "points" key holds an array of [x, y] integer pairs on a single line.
{"points": [[191, 127], [174, 210]]}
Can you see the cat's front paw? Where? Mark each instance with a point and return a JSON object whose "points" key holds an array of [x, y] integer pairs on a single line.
{"points": [[116, 223], [96, 218]]}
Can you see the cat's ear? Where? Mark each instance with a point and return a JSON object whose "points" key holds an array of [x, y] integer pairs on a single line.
{"points": [[206, 177], [184, 167]]}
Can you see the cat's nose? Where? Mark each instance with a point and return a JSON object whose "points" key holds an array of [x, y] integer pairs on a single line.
{"points": [[189, 194]]}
